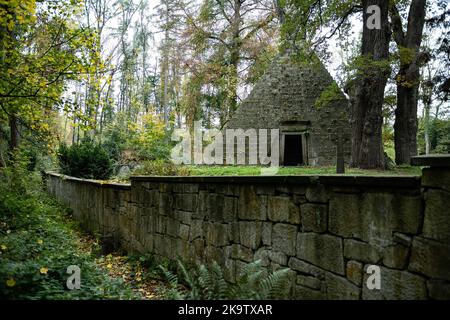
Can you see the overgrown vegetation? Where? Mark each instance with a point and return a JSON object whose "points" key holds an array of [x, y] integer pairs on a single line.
{"points": [[208, 283], [161, 168], [85, 160], [38, 242]]}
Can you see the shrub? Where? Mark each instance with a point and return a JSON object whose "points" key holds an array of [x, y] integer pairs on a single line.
{"points": [[161, 168], [85, 160]]}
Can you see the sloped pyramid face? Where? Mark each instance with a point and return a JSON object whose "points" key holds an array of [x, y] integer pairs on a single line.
{"points": [[287, 94]]}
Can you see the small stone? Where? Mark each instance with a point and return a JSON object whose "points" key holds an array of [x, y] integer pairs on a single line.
{"points": [[354, 272]]}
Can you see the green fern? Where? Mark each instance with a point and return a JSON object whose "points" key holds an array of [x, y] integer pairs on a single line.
{"points": [[208, 282]]}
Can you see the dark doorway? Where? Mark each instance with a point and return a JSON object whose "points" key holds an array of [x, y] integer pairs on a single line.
{"points": [[293, 155]]}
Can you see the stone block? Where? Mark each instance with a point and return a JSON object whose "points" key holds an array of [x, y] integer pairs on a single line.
{"points": [[282, 209], [438, 289], [317, 193], [267, 233], [284, 238], [304, 267], [344, 216], [304, 293], [310, 282], [313, 217], [173, 227], [438, 178], [183, 216], [430, 258], [263, 255], [196, 230], [436, 223], [216, 234], [186, 201], [214, 254], [374, 217], [362, 251], [339, 288], [184, 231], [278, 257], [396, 285], [241, 253], [354, 272], [250, 234], [251, 205], [324, 251], [396, 256]]}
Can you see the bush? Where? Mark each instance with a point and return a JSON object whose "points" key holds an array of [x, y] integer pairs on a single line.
{"points": [[85, 160], [161, 168]]}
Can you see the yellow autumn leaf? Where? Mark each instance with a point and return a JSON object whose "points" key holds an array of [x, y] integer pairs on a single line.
{"points": [[40, 241], [10, 282], [109, 266], [3, 247], [43, 270]]}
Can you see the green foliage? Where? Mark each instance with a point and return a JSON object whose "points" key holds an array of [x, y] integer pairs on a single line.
{"points": [[85, 160], [331, 94], [439, 134], [38, 241], [208, 282], [149, 140], [161, 168]]}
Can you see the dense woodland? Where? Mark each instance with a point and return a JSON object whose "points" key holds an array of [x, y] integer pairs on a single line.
{"points": [[120, 75]]}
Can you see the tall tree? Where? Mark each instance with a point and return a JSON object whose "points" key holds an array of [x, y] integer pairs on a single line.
{"points": [[372, 74], [408, 78]]}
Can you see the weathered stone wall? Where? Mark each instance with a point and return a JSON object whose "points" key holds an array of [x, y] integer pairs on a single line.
{"points": [[326, 229]]}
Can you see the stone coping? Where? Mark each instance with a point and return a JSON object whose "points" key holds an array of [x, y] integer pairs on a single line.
{"points": [[402, 181], [100, 183], [432, 160], [385, 181]]}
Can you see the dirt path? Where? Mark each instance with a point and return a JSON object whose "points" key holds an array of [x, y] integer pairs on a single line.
{"points": [[120, 266]]}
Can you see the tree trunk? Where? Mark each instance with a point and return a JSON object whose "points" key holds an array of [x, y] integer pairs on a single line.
{"points": [[231, 96], [14, 128], [408, 78], [427, 128], [405, 125], [367, 104]]}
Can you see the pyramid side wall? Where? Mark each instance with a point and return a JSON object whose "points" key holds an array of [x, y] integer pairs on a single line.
{"points": [[288, 92]]}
